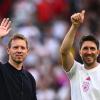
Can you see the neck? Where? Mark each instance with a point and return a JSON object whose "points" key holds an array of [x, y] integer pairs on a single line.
{"points": [[91, 66], [17, 66]]}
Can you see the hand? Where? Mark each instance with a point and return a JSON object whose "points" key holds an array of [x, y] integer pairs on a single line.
{"points": [[78, 18], [5, 27]]}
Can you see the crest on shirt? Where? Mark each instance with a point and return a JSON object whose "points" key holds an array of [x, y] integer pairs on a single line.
{"points": [[86, 84]]}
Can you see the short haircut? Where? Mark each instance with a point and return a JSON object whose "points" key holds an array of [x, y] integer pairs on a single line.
{"points": [[89, 38], [17, 36]]}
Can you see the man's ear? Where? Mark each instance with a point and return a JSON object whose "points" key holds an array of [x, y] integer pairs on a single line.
{"points": [[7, 50], [98, 52], [28, 51], [80, 52]]}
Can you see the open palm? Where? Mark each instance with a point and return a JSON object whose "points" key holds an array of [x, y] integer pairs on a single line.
{"points": [[5, 27]]}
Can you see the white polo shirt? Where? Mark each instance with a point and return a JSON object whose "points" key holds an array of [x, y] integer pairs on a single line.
{"points": [[85, 84]]}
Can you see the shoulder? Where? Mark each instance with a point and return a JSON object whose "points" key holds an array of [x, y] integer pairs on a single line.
{"points": [[75, 69], [77, 65], [2, 68], [1, 65], [29, 76]]}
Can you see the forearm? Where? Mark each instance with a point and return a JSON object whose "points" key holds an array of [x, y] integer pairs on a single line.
{"points": [[69, 38]]}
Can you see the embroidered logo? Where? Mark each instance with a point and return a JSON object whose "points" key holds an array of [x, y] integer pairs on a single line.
{"points": [[86, 84]]}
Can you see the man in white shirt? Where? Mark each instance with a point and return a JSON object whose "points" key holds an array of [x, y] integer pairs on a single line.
{"points": [[84, 78]]}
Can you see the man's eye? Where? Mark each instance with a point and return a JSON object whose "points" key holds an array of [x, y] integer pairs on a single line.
{"points": [[15, 47], [23, 48], [85, 48], [92, 48]]}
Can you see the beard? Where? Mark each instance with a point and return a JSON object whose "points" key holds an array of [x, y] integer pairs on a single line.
{"points": [[89, 63], [17, 60], [89, 60]]}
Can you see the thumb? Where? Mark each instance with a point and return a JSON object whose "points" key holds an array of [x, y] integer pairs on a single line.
{"points": [[82, 15], [83, 12]]}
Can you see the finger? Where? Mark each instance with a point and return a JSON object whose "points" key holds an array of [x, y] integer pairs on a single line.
{"points": [[6, 22], [8, 25], [76, 17], [8, 30], [3, 21], [83, 12], [82, 15]]}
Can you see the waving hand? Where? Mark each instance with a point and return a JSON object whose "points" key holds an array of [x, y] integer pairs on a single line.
{"points": [[5, 27]]}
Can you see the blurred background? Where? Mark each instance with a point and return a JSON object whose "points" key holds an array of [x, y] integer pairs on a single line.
{"points": [[45, 23]]}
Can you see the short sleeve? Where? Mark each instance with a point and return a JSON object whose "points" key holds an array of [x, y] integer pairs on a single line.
{"points": [[76, 66]]}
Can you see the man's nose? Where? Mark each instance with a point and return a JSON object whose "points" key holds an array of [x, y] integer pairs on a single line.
{"points": [[89, 51], [19, 49]]}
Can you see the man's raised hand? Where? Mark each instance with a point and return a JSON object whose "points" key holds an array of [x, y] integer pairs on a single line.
{"points": [[78, 18], [5, 27]]}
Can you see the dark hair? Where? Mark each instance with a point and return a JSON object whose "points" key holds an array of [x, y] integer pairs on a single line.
{"points": [[17, 36], [89, 38]]}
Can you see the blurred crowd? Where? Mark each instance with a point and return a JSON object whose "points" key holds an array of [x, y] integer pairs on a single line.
{"points": [[45, 23]]}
